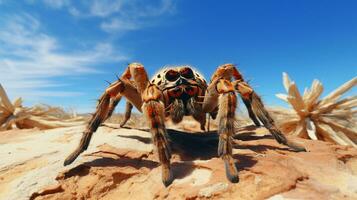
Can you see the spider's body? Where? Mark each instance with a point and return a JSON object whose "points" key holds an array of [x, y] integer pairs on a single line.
{"points": [[177, 91], [183, 89]]}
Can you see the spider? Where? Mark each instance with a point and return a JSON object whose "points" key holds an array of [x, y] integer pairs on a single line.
{"points": [[178, 91]]}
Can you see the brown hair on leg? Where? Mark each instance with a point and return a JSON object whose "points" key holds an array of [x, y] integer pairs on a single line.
{"points": [[113, 103], [154, 112], [115, 90], [250, 111], [226, 117], [265, 118], [128, 108], [99, 116]]}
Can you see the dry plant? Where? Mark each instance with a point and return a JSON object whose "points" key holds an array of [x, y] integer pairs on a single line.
{"points": [[332, 118], [41, 116]]}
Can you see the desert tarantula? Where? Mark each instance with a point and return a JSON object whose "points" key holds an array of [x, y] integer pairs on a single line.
{"points": [[178, 91]]}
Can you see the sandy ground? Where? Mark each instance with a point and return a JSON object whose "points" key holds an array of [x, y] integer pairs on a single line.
{"points": [[120, 164]]}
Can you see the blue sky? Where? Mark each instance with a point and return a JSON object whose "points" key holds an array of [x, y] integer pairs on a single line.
{"points": [[60, 52]]}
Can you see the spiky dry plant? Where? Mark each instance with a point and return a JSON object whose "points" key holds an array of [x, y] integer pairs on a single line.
{"points": [[41, 116], [332, 118]]}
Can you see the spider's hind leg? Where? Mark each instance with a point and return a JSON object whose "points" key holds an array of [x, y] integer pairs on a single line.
{"points": [[113, 103], [105, 107], [258, 110], [250, 111], [127, 114], [265, 118]]}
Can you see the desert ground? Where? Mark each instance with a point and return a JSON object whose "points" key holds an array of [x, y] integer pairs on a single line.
{"points": [[120, 164]]}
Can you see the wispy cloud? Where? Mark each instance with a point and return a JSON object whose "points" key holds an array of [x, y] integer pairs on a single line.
{"points": [[30, 58], [116, 15], [116, 25], [131, 8], [134, 15], [104, 8], [57, 3], [34, 56]]}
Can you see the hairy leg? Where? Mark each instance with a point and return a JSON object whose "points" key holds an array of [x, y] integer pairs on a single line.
{"points": [[250, 112], [99, 116], [128, 108], [265, 118], [226, 118], [256, 110], [154, 112], [221, 93], [113, 103], [123, 87]]}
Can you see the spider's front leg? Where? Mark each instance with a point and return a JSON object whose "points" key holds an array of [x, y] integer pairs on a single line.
{"points": [[221, 93], [154, 111]]}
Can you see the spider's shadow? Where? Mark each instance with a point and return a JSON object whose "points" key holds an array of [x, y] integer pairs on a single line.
{"points": [[203, 146], [189, 147]]}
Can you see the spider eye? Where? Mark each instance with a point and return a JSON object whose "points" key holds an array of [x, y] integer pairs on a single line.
{"points": [[172, 75], [187, 73]]}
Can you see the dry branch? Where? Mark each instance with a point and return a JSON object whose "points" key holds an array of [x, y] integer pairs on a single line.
{"points": [[14, 115]]}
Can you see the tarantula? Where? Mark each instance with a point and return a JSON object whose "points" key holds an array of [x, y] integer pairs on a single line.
{"points": [[178, 91]]}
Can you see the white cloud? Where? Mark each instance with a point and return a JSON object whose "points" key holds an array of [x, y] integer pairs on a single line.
{"points": [[116, 25], [57, 4], [130, 8], [30, 58], [148, 10], [74, 11], [135, 15], [104, 8], [116, 15]]}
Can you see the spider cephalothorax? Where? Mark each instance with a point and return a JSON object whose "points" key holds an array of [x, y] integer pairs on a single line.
{"points": [[183, 90], [178, 91]]}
